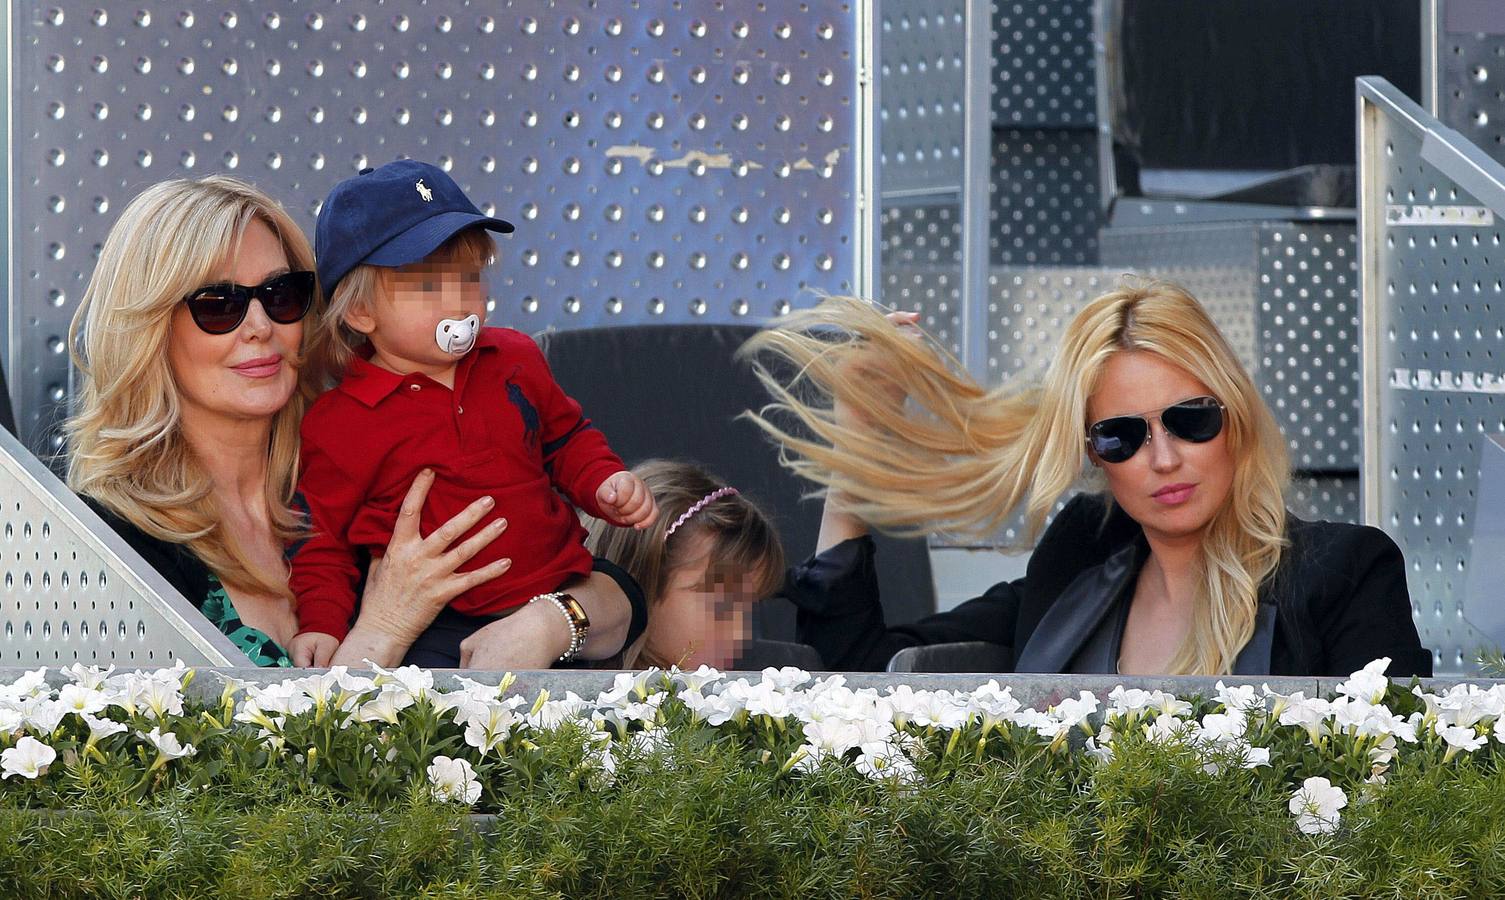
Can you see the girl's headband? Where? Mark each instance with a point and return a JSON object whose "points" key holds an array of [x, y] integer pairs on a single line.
{"points": [[705, 501]]}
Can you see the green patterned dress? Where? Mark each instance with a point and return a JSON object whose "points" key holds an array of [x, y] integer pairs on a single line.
{"points": [[255, 643]]}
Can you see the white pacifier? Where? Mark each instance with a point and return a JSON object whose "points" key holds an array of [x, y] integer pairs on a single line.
{"points": [[457, 336]]}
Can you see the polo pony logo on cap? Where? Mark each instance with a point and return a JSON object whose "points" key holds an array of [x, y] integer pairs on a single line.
{"points": [[423, 191]]}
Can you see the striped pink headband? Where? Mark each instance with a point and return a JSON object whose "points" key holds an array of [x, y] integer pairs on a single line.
{"points": [[705, 501]]}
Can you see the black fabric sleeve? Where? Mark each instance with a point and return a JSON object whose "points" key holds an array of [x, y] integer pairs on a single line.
{"points": [[635, 597], [836, 595], [1366, 612]]}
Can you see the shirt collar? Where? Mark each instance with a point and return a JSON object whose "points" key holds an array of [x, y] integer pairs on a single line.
{"points": [[371, 384]]}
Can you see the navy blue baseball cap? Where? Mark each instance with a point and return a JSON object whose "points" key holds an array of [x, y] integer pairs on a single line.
{"points": [[391, 216]]}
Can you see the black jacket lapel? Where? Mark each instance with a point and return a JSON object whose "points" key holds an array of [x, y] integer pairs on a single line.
{"points": [[1077, 612]]}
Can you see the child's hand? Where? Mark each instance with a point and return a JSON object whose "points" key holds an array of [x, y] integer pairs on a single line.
{"points": [[626, 499], [312, 649]]}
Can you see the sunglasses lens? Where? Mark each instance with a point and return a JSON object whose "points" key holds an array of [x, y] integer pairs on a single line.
{"points": [[1115, 440], [1198, 421], [217, 310], [286, 298]]}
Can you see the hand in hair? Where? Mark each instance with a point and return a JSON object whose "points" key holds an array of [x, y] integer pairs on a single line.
{"points": [[626, 499], [312, 649], [869, 367]]}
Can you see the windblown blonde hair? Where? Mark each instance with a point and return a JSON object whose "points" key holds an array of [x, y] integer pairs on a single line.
{"points": [[335, 342], [127, 445], [742, 537], [957, 456]]}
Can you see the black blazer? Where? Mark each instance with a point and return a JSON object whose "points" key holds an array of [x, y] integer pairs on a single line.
{"points": [[1337, 601]]}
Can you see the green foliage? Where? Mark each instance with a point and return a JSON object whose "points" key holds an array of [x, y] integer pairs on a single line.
{"points": [[323, 788], [1152, 822]]}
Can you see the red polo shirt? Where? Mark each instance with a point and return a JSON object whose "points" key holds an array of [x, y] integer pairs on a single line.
{"points": [[506, 429]]}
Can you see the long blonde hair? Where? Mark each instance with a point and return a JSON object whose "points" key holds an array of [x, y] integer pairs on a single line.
{"points": [[741, 537], [127, 445], [942, 451]]}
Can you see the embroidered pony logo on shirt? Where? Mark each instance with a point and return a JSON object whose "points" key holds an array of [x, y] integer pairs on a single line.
{"points": [[531, 422]]}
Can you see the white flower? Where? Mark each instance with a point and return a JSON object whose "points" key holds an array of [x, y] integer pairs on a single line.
{"points": [[487, 731], [453, 780], [837, 736], [416, 681], [1459, 737], [927, 708], [993, 703], [807, 758], [99, 729], [385, 706], [1310, 714], [13, 720], [1369, 683], [1167, 728], [881, 760], [1044, 725], [646, 712], [91, 677], [786, 679], [167, 744], [1223, 728], [1239, 698], [598, 764], [695, 681], [1074, 711], [43, 715], [81, 699], [1467, 705], [766, 699], [354, 684], [31, 684], [551, 714], [1315, 806], [28, 759], [1255, 756], [282, 698], [1102, 752]]}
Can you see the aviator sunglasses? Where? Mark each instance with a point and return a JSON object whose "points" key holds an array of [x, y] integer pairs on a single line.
{"points": [[220, 308], [1197, 420]]}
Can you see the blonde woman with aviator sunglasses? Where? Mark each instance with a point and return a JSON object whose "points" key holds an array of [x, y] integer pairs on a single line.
{"points": [[1188, 562]]}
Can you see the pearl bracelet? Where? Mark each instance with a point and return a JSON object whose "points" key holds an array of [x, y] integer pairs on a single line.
{"points": [[577, 633]]}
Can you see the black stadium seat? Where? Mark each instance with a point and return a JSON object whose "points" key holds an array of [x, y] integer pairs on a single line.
{"points": [[674, 391], [966, 656]]}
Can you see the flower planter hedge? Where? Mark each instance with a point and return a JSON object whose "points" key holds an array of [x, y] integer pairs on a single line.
{"points": [[698, 785]]}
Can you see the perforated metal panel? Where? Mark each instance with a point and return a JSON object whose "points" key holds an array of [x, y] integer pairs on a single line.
{"points": [[1043, 64], [1434, 347], [1467, 67], [922, 47], [1045, 209], [71, 595], [920, 261], [1298, 285], [663, 161]]}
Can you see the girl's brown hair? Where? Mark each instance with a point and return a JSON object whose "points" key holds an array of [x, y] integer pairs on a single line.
{"points": [[743, 538]]}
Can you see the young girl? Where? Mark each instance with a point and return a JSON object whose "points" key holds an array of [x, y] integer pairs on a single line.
{"points": [[711, 555]]}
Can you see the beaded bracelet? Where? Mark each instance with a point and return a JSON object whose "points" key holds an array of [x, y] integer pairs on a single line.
{"points": [[577, 634]]}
